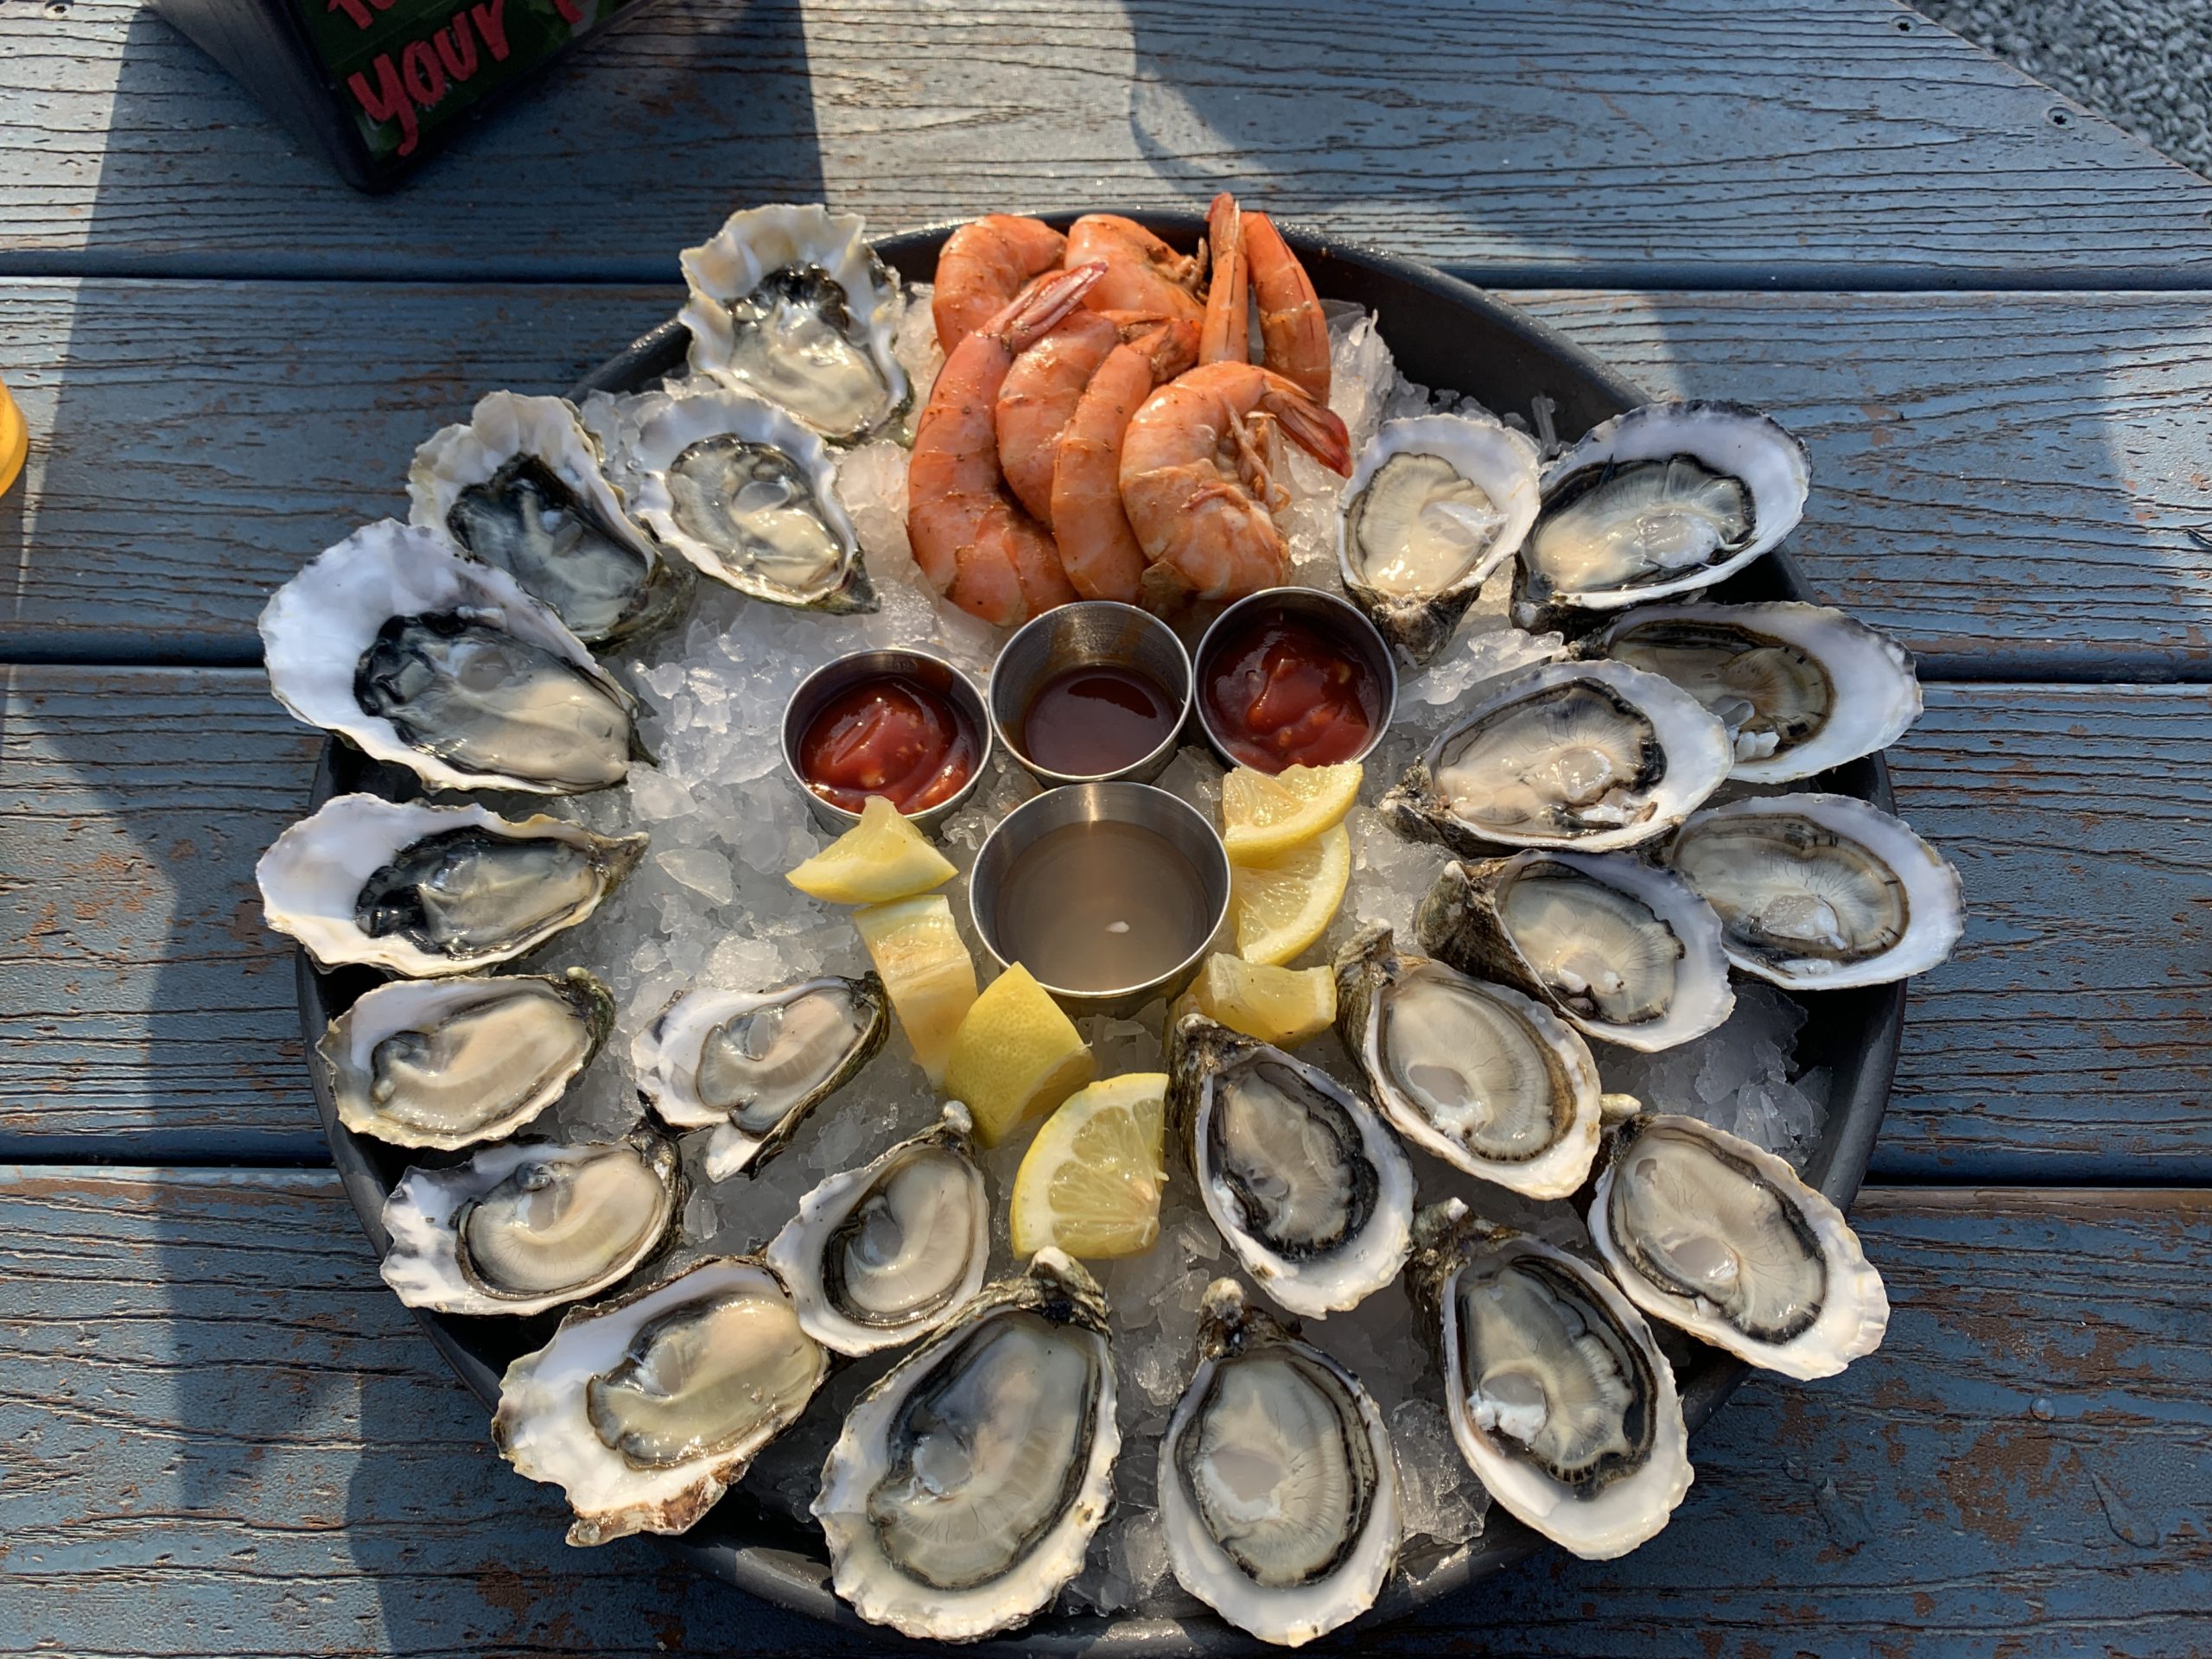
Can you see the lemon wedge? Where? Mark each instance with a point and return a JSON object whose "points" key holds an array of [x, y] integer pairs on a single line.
{"points": [[1015, 1055], [880, 858], [1280, 1006], [926, 968], [1266, 818], [1281, 907], [1091, 1181]]}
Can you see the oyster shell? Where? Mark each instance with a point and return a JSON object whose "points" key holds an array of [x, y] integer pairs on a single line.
{"points": [[1486, 1078], [647, 1408], [1820, 892], [964, 1488], [1278, 1482], [529, 1226], [1589, 755], [1724, 1240], [1556, 1390], [428, 891], [790, 303], [751, 1065], [1625, 952], [1664, 498], [1309, 1189], [746, 494], [1801, 688], [879, 1254], [1436, 503], [447, 1063], [442, 664], [521, 486]]}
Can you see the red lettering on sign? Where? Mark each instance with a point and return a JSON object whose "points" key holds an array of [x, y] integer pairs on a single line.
{"points": [[571, 13], [419, 69], [457, 47], [387, 102], [491, 24], [357, 11]]}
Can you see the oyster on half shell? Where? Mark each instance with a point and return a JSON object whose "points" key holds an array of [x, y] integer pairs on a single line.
{"points": [[965, 1487], [879, 1254], [1484, 1078], [521, 486], [647, 1408], [751, 1065], [1278, 1482], [529, 1226], [447, 1063], [428, 891], [1556, 1390], [790, 303], [1309, 1188], [1626, 951], [444, 665], [1724, 1240]]}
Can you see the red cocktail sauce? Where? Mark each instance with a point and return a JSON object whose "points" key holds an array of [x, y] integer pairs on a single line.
{"points": [[890, 736], [1281, 693]]}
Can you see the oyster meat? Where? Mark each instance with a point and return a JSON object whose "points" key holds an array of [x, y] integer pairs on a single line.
{"points": [[791, 304], [529, 1226], [1664, 498], [879, 1254], [1723, 1240], [1590, 755], [1556, 1390], [1484, 1078], [751, 1065], [428, 891], [1278, 1482], [1436, 503], [447, 1063], [1625, 951], [444, 665], [1801, 688], [1300, 1175], [647, 1408], [964, 1488], [741, 489], [1820, 892], [522, 487]]}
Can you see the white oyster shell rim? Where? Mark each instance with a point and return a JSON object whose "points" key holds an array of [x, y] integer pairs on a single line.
{"points": [[504, 424], [317, 626], [311, 877], [1855, 1315]]}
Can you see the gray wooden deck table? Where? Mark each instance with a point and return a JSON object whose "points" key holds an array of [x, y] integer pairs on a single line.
{"points": [[1986, 310]]}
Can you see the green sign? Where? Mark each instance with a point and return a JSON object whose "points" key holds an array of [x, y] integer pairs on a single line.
{"points": [[410, 65]]}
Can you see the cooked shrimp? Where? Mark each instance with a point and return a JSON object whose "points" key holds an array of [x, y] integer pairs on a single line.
{"points": [[972, 539], [984, 265], [1292, 328], [1228, 337], [1040, 398], [1098, 549], [1143, 274], [1198, 479]]}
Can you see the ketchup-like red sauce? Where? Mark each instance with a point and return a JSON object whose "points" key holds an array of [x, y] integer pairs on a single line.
{"points": [[1281, 693], [889, 737]]}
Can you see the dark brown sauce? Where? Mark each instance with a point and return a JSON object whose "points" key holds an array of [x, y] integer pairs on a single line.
{"points": [[1095, 719]]}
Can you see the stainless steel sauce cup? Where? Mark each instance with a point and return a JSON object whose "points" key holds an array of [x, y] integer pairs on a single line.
{"points": [[1089, 631], [1337, 620], [822, 687]]}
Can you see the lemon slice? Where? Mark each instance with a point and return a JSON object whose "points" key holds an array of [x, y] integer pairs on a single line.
{"points": [[880, 858], [1280, 1006], [927, 969], [1281, 907], [1091, 1181], [1015, 1057], [1265, 818]]}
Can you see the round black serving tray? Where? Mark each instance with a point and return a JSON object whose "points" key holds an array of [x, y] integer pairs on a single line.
{"points": [[1443, 332]]}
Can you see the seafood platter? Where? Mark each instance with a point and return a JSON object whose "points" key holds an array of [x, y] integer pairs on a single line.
{"points": [[1110, 934]]}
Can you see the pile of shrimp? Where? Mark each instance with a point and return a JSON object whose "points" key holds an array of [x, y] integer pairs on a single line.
{"points": [[1099, 430]]}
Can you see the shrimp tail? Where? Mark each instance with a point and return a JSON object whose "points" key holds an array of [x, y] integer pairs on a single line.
{"points": [[1228, 333], [1311, 425], [1033, 313], [1293, 332]]}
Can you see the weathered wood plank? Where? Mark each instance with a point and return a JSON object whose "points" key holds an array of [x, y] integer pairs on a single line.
{"points": [[224, 1436], [1802, 138], [145, 1013], [2004, 481]]}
